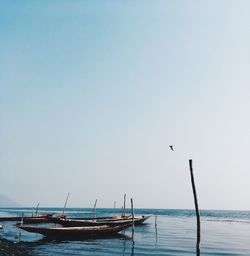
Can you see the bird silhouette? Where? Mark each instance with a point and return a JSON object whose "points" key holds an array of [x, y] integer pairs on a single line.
{"points": [[171, 147]]}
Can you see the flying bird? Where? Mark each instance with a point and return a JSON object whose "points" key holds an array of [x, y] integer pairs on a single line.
{"points": [[171, 147]]}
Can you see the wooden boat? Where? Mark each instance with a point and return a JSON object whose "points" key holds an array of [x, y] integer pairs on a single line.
{"points": [[110, 221], [85, 223], [103, 230], [35, 219], [28, 219], [11, 218]]}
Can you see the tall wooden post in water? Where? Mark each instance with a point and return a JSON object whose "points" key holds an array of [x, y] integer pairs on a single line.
{"points": [[196, 209], [37, 208], [66, 201], [94, 210], [124, 205], [133, 223]]}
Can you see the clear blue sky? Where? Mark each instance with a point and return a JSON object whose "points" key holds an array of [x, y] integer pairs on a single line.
{"points": [[93, 92]]}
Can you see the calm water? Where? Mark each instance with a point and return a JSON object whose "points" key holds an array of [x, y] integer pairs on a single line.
{"points": [[223, 233]]}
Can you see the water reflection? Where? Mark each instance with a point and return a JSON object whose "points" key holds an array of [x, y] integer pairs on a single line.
{"points": [[132, 245], [133, 248], [156, 231], [56, 240]]}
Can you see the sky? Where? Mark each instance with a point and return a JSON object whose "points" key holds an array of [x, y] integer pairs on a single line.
{"points": [[92, 93]]}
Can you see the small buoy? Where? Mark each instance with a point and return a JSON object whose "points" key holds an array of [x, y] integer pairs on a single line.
{"points": [[1, 226]]}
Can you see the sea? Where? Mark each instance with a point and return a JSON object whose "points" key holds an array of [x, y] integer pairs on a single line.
{"points": [[167, 232]]}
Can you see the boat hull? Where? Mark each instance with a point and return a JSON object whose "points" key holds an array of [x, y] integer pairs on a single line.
{"points": [[110, 221], [28, 219], [71, 222], [75, 231]]}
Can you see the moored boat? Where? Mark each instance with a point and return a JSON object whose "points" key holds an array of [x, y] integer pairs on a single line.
{"points": [[85, 223], [28, 219], [89, 231], [111, 221]]}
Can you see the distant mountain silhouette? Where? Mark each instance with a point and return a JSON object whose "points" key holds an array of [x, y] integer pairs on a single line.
{"points": [[5, 201]]}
